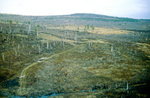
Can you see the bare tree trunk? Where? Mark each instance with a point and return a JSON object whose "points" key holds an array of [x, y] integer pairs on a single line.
{"points": [[1, 28], [37, 33], [116, 85], [78, 29], [18, 46], [63, 43], [75, 38], [127, 86], [29, 29], [54, 43], [46, 29], [47, 45], [15, 52], [13, 42], [112, 48], [50, 46], [90, 44], [3, 57], [23, 46], [39, 49], [9, 29]]}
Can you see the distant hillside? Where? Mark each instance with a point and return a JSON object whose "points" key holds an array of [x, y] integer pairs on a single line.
{"points": [[83, 19]]}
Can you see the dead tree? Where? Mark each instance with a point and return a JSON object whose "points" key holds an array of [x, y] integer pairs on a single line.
{"points": [[75, 37], [29, 28], [37, 30], [3, 56], [112, 48], [47, 45], [39, 49], [89, 44]]}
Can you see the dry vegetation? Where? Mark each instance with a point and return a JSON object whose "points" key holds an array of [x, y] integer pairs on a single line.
{"points": [[73, 60], [97, 30]]}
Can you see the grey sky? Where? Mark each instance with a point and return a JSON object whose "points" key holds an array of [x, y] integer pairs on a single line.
{"points": [[121, 8]]}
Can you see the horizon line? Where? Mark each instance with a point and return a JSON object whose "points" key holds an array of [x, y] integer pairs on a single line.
{"points": [[73, 14]]}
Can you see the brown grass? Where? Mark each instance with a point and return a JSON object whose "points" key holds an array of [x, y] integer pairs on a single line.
{"points": [[98, 30], [48, 37], [145, 48]]}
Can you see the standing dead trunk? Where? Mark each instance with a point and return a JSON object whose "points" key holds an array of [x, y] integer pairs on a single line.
{"points": [[127, 86], [9, 28], [29, 29], [63, 43], [47, 45], [37, 33], [1, 29], [75, 38], [112, 48], [90, 44], [54, 43], [18, 46], [39, 49], [15, 52], [23, 46], [29, 52], [3, 57]]}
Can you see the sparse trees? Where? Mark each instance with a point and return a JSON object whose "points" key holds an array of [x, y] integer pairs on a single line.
{"points": [[87, 27]]}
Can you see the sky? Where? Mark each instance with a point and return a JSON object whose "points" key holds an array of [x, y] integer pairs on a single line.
{"points": [[121, 8]]}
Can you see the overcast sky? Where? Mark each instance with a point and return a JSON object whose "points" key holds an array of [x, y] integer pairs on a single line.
{"points": [[121, 8]]}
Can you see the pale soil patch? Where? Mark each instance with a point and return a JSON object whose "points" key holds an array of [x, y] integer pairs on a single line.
{"points": [[98, 41], [20, 35]]}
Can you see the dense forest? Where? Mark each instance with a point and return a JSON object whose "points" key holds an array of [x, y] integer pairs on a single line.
{"points": [[76, 56]]}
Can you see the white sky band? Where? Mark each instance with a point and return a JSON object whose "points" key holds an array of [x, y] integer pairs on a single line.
{"points": [[120, 8]]}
